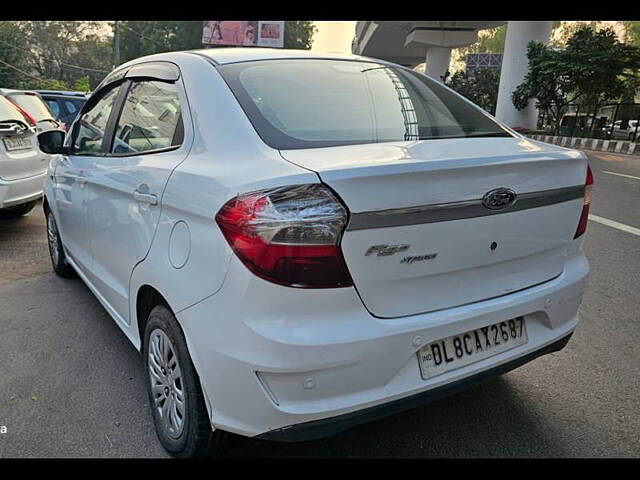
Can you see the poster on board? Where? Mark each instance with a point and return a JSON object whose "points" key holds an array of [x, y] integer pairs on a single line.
{"points": [[244, 33]]}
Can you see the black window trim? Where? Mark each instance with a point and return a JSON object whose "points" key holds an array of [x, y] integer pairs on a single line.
{"points": [[122, 78], [92, 102]]}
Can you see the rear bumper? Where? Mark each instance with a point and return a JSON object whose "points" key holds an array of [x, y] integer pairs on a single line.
{"points": [[270, 358], [330, 426], [24, 190]]}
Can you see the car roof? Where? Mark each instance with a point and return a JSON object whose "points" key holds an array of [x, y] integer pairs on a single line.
{"points": [[9, 91], [62, 93], [224, 56]]}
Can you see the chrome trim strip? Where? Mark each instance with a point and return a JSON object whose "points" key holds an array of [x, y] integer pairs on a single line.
{"points": [[446, 212]]}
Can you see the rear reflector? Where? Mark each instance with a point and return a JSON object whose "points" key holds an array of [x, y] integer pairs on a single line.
{"points": [[288, 235], [584, 216]]}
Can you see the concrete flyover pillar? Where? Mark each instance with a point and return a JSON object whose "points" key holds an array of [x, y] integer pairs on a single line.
{"points": [[438, 60], [514, 67], [438, 38]]}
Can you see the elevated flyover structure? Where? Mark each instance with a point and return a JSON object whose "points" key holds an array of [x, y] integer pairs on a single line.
{"points": [[412, 43]]}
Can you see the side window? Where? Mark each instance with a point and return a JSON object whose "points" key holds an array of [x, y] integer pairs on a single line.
{"points": [[71, 107], [55, 108], [150, 119], [92, 125]]}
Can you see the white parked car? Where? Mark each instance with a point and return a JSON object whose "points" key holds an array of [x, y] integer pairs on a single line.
{"points": [[626, 133], [299, 243], [22, 165], [33, 107]]}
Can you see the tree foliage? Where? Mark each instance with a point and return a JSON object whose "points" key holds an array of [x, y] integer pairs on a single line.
{"points": [[10, 34], [139, 38], [632, 32], [299, 34], [481, 87], [52, 54], [563, 31], [73, 54], [593, 68], [82, 84]]}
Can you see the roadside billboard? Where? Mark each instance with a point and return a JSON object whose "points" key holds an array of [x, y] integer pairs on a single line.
{"points": [[478, 61], [244, 33]]}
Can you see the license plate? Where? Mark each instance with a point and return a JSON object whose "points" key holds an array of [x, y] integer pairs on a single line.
{"points": [[17, 143], [466, 348]]}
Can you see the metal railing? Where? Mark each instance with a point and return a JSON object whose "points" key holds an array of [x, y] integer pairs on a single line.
{"points": [[620, 121]]}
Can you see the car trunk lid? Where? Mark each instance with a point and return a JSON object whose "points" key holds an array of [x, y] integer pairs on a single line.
{"points": [[420, 238]]}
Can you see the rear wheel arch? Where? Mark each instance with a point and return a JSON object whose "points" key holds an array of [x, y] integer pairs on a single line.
{"points": [[146, 299]]}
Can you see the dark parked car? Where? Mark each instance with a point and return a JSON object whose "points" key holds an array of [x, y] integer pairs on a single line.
{"points": [[64, 105]]}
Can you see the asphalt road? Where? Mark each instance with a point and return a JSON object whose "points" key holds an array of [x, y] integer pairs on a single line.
{"points": [[72, 386]]}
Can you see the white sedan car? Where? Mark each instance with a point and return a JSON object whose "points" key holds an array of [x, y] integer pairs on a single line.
{"points": [[298, 243]]}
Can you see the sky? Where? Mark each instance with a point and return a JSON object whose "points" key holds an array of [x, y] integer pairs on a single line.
{"points": [[334, 37]]}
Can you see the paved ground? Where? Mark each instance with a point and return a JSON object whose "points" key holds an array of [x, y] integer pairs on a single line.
{"points": [[72, 386]]}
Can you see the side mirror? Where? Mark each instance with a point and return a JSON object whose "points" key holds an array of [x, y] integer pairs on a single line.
{"points": [[52, 141]]}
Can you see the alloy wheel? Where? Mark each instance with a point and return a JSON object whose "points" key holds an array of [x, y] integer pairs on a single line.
{"points": [[166, 384], [53, 238]]}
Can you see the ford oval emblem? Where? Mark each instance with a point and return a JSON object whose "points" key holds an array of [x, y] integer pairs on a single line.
{"points": [[499, 199]]}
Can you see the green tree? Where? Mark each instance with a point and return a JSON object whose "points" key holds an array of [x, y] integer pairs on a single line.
{"points": [[47, 84], [481, 87], [600, 64], [632, 32], [67, 50], [54, 52], [139, 38], [82, 84], [299, 34], [11, 52], [593, 68], [563, 31]]}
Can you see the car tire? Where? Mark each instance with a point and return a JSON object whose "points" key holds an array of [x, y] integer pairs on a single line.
{"points": [[17, 211], [183, 427], [56, 251]]}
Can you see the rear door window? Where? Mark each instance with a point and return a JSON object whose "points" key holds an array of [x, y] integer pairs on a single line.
{"points": [[71, 107], [150, 119], [55, 108]]}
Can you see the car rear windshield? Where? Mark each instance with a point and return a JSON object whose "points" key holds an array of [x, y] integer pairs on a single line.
{"points": [[32, 105], [9, 112], [309, 103]]}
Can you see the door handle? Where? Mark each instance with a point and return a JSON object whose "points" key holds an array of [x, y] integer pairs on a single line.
{"points": [[149, 198]]}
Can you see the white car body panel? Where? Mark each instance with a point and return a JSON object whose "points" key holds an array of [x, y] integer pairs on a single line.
{"points": [[70, 195], [355, 359], [254, 343], [22, 173], [531, 243]]}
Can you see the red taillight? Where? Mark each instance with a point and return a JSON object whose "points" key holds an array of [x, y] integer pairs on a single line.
{"points": [[29, 118], [288, 235], [584, 216]]}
